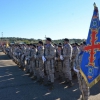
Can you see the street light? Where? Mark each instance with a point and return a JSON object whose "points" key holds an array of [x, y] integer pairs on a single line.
{"points": [[1, 37]]}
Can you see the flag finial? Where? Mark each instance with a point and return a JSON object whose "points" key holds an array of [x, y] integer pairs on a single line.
{"points": [[94, 5]]}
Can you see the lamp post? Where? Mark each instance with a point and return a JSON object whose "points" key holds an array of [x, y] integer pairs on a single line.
{"points": [[1, 37]]}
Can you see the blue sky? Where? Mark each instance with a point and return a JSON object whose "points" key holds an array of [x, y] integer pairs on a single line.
{"points": [[54, 18]]}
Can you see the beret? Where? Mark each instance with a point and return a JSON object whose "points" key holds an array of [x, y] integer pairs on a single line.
{"points": [[66, 39], [49, 39]]}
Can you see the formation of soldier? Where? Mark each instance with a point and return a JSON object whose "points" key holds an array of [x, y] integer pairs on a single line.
{"points": [[47, 60]]}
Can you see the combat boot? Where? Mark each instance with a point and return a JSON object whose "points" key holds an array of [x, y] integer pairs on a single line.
{"points": [[66, 81], [30, 74], [47, 83], [81, 98], [51, 86], [60, 79], [27, 71], [34, 78], [41, 81], [70, 83]]}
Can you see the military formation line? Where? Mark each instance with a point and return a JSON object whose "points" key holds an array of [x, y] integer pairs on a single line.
{"points": [[44, 60]]}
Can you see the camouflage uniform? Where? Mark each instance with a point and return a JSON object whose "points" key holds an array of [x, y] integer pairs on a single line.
{"points": [[33, 61], [82, 84], [22, 59], [27, 55], [49, 64], [19, 55], [67, 54], [40, 64], [16, 51], [59, 64], [10, 52], [75, 56]]}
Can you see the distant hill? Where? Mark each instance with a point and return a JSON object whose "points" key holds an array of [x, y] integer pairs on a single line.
{"points": [[32, 40]]}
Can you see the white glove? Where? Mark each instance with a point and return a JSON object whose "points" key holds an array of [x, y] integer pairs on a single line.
{"points": [[55, 58], [15, 54], [35, 56], [25, 62], [19, 54], [76, 70], [26, 58], [43, 58], [61, 57]]}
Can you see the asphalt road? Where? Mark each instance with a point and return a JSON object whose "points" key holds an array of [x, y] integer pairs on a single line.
{"points": [[16, 85]]}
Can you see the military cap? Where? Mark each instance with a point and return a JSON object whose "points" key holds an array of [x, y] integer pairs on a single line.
{"points": [[84, 42], [55, 44], [34, 45], [66, 39], [40, 42], [76, 44], [59, 45], [49, 39]]}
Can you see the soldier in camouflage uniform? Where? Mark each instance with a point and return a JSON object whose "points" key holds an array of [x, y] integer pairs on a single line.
{"points": [[40, 63], [30, 58], [75, 54], [19, 56], [33, 61], [49, 64], [27, 57], [22, 59], [59, 62], [67, 54], [82, 84]]}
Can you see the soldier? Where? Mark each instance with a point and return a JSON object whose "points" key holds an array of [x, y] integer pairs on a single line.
{"points": [[59, 62], [31, 52], [30, 59], [82, 84], [10, 51], [67, 54], [75, 54], [55, 46], [22, 59], [40, 64], [44, 61], [16, 50], [33, 62], [49, 64], [27, 56], [19, 56]]}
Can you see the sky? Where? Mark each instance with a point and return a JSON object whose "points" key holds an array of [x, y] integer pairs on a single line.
{"points": [[56, 19]]}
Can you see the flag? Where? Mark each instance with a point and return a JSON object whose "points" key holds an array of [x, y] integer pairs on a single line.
{"points": [[90, 65]]}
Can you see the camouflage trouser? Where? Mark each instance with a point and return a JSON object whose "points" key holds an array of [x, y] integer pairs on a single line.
{"points": [[22, 61], [60, 68], [83, 87], [27, 66], [19, 59], [33, 67], [67, 69], [50, 69], [10, 54], [41, 68]]}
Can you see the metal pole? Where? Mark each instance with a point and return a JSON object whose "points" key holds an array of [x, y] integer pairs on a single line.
{"points": [[1, 37]]}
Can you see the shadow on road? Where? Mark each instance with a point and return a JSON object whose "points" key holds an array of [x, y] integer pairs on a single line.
{"points": [[16, 85], [4, 57], [95, 89]]}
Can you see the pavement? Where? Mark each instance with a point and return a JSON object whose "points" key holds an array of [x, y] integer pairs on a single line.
{"points": [[16, 85]]}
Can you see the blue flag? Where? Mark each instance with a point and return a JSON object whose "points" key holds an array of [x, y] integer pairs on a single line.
{"points": [[90, 65]]}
